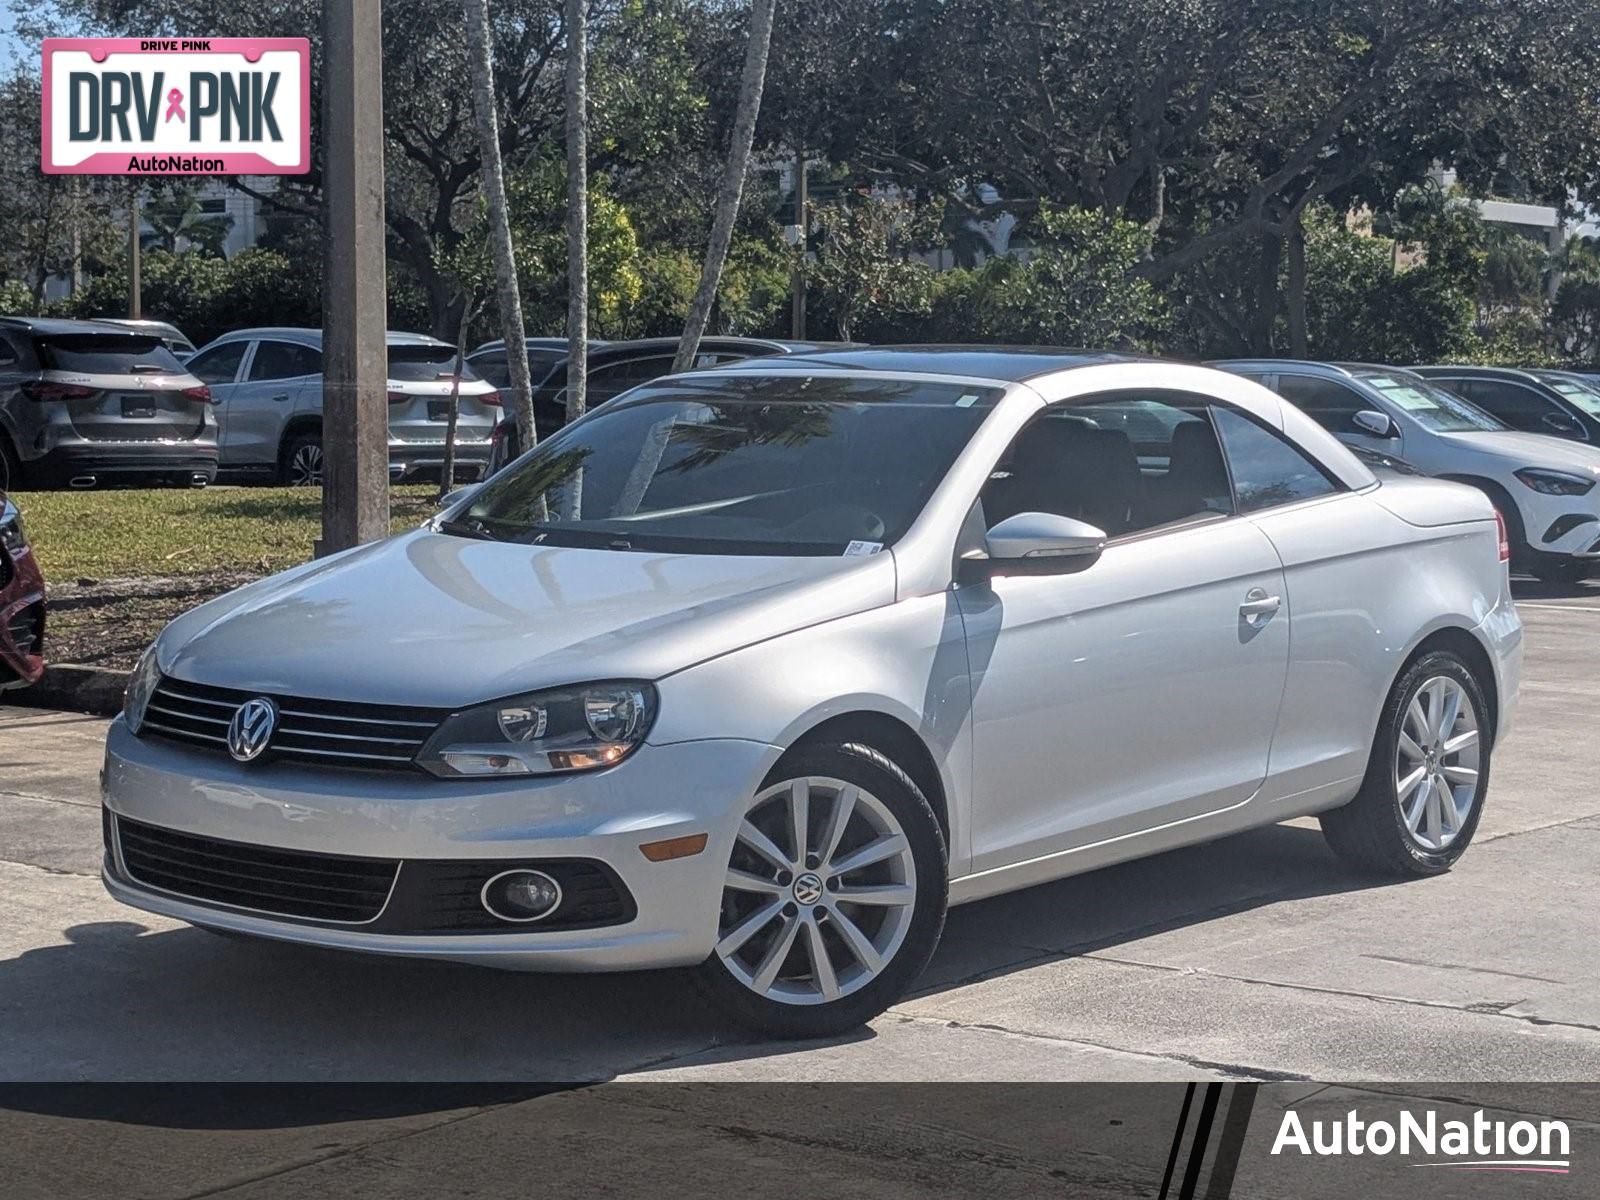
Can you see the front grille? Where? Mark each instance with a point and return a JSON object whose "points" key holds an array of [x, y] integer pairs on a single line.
{"points": [[290, 883], [26, 628], [414, 896], [332, 733]]}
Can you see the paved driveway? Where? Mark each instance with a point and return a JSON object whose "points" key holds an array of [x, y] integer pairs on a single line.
{"points": [[1255, 957]]}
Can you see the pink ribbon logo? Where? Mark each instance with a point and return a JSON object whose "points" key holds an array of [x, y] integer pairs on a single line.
{"points": [[175, 105]]}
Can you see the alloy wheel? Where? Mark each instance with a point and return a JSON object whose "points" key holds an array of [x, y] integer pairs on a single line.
{"points": [[1436, 770], [819, 893], [305, 466]]}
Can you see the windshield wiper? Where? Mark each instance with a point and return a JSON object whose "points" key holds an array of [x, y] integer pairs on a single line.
{"points": [[469, 528]]}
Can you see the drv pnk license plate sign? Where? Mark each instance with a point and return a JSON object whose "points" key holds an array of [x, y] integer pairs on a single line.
{"points": [[177, 106]]}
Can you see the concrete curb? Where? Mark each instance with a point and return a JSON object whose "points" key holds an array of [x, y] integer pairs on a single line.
{"points": [[75, 689]]}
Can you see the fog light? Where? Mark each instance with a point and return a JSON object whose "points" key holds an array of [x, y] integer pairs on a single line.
{"points": [[521, 895]]}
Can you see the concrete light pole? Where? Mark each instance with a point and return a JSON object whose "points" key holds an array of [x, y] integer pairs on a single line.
{"points": [[135, 299], [355, 417]]}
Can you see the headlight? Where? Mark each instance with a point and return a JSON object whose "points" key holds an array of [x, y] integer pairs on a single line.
{"points": [[565, 729], [1555, 483], [141, 683], [11, 535]]}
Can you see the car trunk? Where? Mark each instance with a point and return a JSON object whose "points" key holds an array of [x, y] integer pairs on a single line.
{"points": [[120, 387], [419, 397]]}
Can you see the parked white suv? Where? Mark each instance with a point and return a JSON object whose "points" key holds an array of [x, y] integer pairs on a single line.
{"points": [[267, 388], [1544, 486]]}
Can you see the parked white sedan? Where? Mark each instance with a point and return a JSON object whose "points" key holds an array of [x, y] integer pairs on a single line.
{"points": [[755, 669]]}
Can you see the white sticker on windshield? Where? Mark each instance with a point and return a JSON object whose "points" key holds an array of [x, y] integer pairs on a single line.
{"points": [[855, 549], [967, 400]]}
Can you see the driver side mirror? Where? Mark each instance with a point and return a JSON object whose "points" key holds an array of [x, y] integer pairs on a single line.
{"points": [[1376, 423], [1036, 543]]}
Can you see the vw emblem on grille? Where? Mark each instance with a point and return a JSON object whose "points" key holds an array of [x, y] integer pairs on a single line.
{"points": [[251, 728]]}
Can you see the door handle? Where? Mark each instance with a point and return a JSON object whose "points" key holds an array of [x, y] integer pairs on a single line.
{"points": [[1258, 607], [281, 396]]}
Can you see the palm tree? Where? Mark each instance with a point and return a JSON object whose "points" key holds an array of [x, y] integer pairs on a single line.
{"points": [[479, 59], [751, 85]]}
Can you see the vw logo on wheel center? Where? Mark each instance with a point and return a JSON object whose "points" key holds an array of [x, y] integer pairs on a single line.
{"points": [[251, 728], [808, 888]]}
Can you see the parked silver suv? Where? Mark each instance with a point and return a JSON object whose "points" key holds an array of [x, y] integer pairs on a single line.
{"points": [[268, 389], [86, 402]]}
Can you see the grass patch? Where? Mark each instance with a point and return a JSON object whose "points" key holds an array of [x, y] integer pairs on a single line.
{"points": [[118, 534]]}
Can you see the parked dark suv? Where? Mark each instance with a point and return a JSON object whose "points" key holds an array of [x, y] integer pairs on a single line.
{"points": [[87, 402], [21, 603], [1560, 403]]}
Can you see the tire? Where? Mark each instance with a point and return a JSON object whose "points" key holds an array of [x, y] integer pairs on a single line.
{"points": [[802, 911], [1553, 568], [1373, 832], [300, 462], [10, 465]]}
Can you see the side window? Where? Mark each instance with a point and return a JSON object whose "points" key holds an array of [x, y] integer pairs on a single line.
{"points": [[1327, 402], [494, 367], [1123, 464], [1267, 471], [284, 360], [617, 378], [8, 352], [219, 364], [1518, 406]]}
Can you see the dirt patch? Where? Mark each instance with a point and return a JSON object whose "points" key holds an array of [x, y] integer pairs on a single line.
{"points": [[107, 623]]}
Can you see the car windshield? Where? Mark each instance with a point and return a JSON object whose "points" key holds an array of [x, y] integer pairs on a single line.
{"points": [[107, 354], [1432, 406], [1584, 396], [783, 465], [425, 364]]}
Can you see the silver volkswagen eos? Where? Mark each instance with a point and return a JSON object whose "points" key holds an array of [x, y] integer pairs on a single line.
{"points": [[755, 670]]}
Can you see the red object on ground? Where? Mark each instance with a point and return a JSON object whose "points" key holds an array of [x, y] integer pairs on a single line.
{"points": [[21, 603]]}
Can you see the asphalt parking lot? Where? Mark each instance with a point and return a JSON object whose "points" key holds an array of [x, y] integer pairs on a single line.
{"points": [[1256, 957]]}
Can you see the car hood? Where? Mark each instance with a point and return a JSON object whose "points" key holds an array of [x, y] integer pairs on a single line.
{"points": [[429, 619], [1532, 449]]}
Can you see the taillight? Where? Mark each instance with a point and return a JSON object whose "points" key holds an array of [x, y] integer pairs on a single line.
{"points": [[201, 392], [398, 397], [49, 389], [499, 434], [492, 399], [1505, 539]]}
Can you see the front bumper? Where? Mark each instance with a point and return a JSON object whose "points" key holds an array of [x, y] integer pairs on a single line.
{"points": [[1562, 525], [659, 792]]}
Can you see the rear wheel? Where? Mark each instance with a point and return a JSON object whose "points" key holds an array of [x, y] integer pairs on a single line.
{"points": [[300, 464], [833, 898], [10, 465], [1423, 793]]}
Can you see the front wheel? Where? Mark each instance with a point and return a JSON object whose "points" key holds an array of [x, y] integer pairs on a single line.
{"points": [[833, 898], [1423, 793]]}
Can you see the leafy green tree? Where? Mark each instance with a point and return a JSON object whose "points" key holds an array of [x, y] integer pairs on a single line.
{"points": [[864, 266], [177, 217]]}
